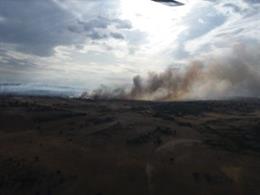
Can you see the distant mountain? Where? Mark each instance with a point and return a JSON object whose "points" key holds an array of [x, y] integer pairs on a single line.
{"points": [[38, 90]]}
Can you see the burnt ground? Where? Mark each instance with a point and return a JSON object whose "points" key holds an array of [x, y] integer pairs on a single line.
{"points": [[59, 146]]}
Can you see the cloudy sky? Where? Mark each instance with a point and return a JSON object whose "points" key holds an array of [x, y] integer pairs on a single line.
{"points": [[86, 43]]}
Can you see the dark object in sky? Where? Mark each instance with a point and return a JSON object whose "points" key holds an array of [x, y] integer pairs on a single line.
{"points": [[170, 2]]}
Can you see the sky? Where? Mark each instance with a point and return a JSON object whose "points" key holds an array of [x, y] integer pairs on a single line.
{"points": [[87, 43]]}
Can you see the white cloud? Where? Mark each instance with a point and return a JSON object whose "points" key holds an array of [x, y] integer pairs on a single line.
{"points": [[239, 26]]}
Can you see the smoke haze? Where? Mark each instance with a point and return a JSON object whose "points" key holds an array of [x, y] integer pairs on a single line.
{"points": [[225, 74]]}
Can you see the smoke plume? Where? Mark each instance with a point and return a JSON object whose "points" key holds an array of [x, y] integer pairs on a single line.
{"points": [[225, 74]]}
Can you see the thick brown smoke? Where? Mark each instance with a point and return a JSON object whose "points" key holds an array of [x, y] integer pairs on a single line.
{"points": [[233, 73]]}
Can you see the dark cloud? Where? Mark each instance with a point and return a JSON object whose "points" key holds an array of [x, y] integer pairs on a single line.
{"points": [[37, 26], [252, 1], [97, 28], [34, 26], [117, 35]]}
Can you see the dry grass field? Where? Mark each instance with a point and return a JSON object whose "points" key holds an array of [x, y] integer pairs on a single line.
{"points": [[59, 146]]}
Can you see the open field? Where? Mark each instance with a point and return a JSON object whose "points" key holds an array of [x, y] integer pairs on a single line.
{"points": [[58, 146]]}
